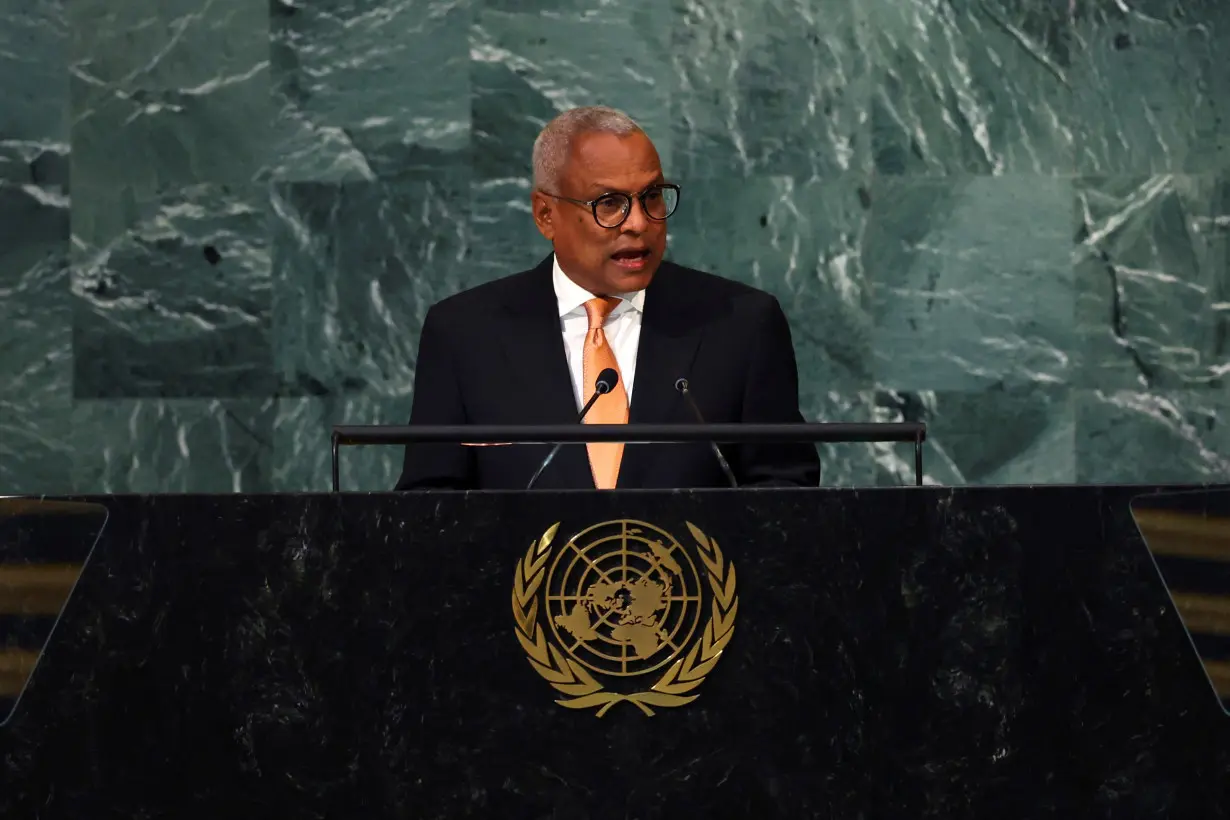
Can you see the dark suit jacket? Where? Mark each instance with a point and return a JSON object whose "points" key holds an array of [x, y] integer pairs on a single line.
{"points": [[495, 355]]}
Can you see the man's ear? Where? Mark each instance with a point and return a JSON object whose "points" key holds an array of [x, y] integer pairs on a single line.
{"points": [[544, 214]]}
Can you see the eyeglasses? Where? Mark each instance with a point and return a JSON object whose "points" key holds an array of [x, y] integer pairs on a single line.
{"points": [[610, 210]]}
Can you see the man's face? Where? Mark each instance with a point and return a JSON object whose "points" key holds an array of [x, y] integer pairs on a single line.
{"points": [[605, 260]]}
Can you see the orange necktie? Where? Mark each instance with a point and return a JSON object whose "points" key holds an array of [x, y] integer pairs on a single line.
{"points": [[612, 408]]}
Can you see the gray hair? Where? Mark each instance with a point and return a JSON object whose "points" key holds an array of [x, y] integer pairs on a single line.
{"points": [[554, 143]]}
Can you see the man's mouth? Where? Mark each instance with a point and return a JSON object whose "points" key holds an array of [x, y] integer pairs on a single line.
{"points": [[632, 259]]}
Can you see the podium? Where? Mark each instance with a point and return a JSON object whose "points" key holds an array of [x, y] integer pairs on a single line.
{"points": [[895, 652]]}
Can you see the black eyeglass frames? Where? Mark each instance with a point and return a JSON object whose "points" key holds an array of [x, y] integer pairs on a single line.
{"points": [[611, 209]]}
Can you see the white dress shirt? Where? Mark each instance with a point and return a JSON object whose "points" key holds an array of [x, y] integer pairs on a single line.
{"points": [[622, 329]]}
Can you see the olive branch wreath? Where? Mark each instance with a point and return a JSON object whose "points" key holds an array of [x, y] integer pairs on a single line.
{"points": [[570, 678]]}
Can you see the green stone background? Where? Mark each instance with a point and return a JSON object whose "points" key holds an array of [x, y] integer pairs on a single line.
{"points": [[222, 223]]}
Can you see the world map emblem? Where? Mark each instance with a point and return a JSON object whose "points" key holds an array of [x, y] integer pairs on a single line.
{"points": [[624, 612]]}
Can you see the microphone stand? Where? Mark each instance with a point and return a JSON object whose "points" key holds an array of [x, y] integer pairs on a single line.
{"points": [[598, 391], [682, 387]]}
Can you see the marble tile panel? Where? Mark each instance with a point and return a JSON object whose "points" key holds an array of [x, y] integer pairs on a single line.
{"points": [[34, 42], [1151, 88], [972, 282], [165, 94], [367, 90], [1163, 436], [504, 237], [769, 88], [800, 241], [528, 67], [999, 436], [172, 446], [356, 266], [179, 304], [35, 340], [970, 86], [1019, 435], [1152, 265]]}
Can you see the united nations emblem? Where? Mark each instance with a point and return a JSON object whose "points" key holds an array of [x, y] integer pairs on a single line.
{"points": [[621, 602]]}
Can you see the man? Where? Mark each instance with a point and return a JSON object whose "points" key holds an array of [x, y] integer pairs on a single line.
{"points": [[528, 349]]}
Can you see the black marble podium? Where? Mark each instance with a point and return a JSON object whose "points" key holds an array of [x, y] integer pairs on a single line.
{"points": [[912, 652]]}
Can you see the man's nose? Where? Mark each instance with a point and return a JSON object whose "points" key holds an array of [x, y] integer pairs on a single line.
{"points": [[637, 220]]}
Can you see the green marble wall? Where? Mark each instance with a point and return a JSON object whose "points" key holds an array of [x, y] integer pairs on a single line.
{"points": [[222, 223]]}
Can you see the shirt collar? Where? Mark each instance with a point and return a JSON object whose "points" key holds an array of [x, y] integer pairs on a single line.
{"points": [[571, 296]]}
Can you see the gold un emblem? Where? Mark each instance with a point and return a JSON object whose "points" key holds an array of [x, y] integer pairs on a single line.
{"points": [[619, 604]]}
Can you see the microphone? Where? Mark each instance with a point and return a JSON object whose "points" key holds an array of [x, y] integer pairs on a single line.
{"points": [[682, 386], [604, 384]]}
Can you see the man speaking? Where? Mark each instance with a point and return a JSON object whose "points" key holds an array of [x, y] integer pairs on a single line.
{"points": [[604, 315]]}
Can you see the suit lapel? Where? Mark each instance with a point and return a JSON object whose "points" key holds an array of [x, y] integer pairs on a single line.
{"points": [[671, 331], [534, 350]]}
